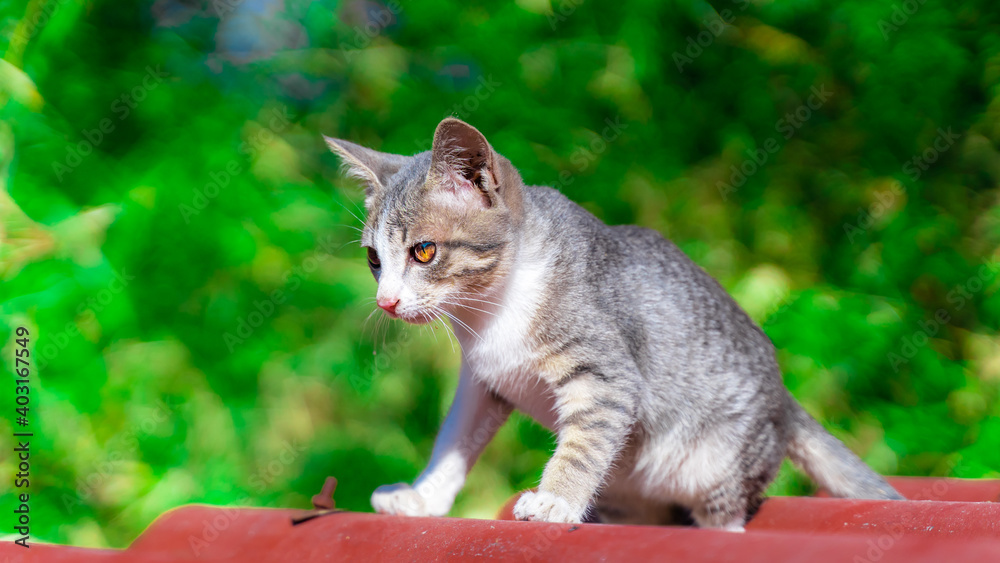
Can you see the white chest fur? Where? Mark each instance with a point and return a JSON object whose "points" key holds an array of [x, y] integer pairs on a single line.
{"points": [[503, 356]]}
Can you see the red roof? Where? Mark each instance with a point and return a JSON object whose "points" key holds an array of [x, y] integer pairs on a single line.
{"points": [[943, 520]]}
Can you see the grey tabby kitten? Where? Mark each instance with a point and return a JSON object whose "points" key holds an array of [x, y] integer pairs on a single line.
{"points": [[662, 391]]}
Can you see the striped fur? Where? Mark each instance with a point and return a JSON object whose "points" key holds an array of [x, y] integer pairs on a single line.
{"points": [[662, 391]]}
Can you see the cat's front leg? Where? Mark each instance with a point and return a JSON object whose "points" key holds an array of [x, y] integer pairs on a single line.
{"points": [[473, 419], [596, 413]]}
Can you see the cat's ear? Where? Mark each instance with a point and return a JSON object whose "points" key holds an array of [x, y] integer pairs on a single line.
{"points": [[372, 167], [463, 163]]}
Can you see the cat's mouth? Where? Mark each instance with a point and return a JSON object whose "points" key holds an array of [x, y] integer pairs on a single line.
{"points": [[415, 317]]}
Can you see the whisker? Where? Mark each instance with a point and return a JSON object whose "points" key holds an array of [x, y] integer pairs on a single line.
{"points": [[462, 324], [430, 325], [374, 332], [452, 337], [380, 326], [360, 210], [349, 211], [341, 247], [466, 297], [385, 333], [368, 319], [358, 229], [468, 307], [425, 327]]}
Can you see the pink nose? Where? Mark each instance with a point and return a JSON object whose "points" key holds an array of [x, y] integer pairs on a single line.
{"points": [[388, 304]]}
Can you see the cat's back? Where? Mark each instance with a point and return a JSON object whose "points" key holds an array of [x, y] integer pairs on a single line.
{"points": [[628, 258], [634, 276], [548, 209]]}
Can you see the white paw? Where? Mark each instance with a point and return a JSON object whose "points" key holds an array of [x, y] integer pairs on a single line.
{"points": [[546, 507], [402, 499], [735, 525]]}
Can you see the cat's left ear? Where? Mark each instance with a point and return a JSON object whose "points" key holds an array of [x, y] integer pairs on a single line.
{"points": [[372, 167], [463, 163]]}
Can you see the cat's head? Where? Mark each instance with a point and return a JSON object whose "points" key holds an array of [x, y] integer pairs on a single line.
{"points": [[441, 227]]}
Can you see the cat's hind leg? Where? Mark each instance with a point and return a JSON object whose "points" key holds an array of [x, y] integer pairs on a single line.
{"points": [[727, 507], [733, 500]]}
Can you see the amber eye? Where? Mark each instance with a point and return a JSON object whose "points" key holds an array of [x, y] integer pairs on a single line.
{"points": [[423, 252], [373, 258]]}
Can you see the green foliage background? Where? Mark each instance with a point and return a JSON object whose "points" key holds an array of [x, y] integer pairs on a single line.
{"points": [[169, 371]]}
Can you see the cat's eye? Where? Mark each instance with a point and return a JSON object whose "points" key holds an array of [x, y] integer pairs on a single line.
{"points": [[423, 252], [373, 260]]}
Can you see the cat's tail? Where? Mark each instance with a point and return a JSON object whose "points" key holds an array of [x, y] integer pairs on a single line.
{"points": [[828, 461]]}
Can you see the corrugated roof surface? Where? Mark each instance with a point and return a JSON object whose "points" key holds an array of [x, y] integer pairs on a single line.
{"points": [[943, 520]]}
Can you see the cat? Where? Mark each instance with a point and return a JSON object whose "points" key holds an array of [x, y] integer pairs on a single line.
{"points": [[661, 390]]}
